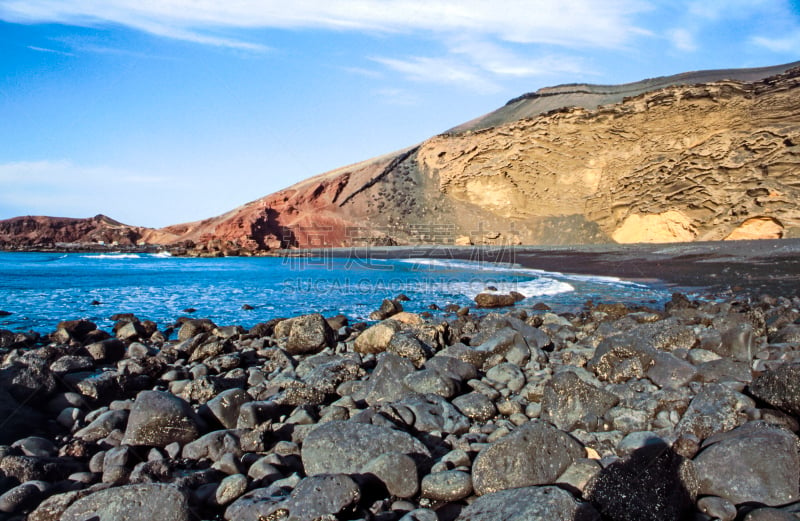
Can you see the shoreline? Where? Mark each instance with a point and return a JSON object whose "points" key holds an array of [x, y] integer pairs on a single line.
{"points": [[723, 268]]}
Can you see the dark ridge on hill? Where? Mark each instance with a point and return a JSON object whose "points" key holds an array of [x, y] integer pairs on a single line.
{"points": [[590, 96]]}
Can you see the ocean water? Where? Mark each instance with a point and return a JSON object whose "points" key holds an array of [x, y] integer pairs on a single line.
{"points": [[41, 289]]}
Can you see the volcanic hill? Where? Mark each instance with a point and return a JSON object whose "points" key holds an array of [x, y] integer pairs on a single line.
{"points": [[707, 155]]}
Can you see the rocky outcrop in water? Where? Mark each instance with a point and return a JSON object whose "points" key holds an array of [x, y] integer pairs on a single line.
{"points": [[613, 413]]}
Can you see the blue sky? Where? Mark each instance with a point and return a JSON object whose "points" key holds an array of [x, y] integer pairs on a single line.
{"points": [[160, 112]]}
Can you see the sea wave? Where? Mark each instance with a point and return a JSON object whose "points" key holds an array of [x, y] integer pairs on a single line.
{"points": [[539, 287], [114, 256], [513, 268]]}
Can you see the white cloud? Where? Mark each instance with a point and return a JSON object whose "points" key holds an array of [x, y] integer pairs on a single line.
{"points": [[727, 9], [50, 51], [476, 36], [63, 173], [572, 23], [360, 71], [394, 96], [65, 189], [499, 60], [682, 39], [445, 70], [480, 65], [789, 43]]}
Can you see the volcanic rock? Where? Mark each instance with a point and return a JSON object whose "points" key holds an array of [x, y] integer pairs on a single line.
{"points": [[131, 503], [346, 447], [780, 388], [534, 454], [158, 418], [754, 463], [551, 503]]}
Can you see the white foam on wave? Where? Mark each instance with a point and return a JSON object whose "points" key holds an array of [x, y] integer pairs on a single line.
{"points": [[540, 287], [539, 283], [161, 255], [113, 256], [517, 269]]}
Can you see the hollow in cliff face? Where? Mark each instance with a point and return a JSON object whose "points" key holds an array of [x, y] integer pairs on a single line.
{"points": [[757, 228], [670, 226]]}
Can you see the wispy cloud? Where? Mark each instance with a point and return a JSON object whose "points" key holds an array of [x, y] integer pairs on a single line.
{"points": [[571, 23], [395, 96], [682, 39], [499, 60], [476, 37], [64, 188], [480, 65], [361, 71], [64, 172], [789, 43], [444, 70], [49, 51]]}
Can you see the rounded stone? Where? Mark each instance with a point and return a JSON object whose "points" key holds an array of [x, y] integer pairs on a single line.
{"points": [[346, 446], [143, 502], [448, 485], [159, 418], [529, 503], [476, 406], [231, 488], [534, 454], [507, 374], [396, 471]]}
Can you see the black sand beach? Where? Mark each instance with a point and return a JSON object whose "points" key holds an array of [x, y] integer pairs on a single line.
{"points": [[748, 268]]}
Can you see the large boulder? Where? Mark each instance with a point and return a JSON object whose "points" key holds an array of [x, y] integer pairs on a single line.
{"points": [[397, 472], [621, 357], [494, 300], [72, 330], [387, 382], [529, 503], [309, 334], [715, 408], [536, 453], [159, 418], [143, 502], [314, 498], [756, 463], [28, 376], [346, 447], [432, 413], [103, 425], [194, 327], [570, 402], [780, 388], [376, 339], [226, 405]]}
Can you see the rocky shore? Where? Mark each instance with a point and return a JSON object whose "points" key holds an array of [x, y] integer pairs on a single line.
{"points": [[685, 412]]}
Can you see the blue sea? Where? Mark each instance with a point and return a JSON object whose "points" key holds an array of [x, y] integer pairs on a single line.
{"points": [[41, 289]]}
